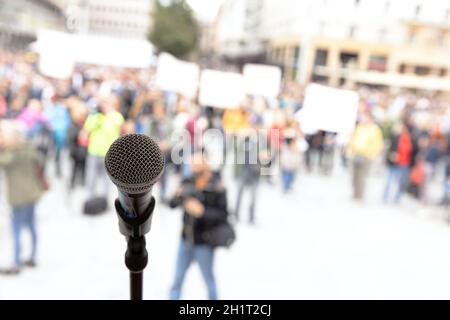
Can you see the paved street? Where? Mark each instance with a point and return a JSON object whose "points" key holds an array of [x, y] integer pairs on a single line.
{"points": [[313, 243]]}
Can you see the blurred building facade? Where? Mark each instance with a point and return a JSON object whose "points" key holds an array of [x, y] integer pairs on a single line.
{"points": [[20, 20], [387, 42], [124, 18]]}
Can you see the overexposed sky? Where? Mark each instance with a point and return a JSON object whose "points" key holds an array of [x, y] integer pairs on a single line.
{"points": [[206, 10]]}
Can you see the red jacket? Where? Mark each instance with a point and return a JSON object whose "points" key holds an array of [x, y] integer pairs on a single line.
{"points": [[404, 149]]}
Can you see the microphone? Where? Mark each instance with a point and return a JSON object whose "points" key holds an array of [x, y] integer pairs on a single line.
{"points": [[134, 163]]}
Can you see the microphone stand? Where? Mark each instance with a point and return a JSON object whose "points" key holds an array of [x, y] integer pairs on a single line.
{"points": [[136, 256]]}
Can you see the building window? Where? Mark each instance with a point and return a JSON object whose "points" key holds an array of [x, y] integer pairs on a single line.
{"points": [[348, 59], [422, 70], [377, 63], [321, 57], [402, 68], [357, 3], [447, 14], [442, 72]]}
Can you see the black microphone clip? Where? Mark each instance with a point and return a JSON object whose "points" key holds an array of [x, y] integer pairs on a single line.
{"points": [[137, 226], [134, 229]]}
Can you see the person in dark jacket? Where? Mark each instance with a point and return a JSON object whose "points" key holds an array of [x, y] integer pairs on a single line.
{"points": [[204, 203], [398, 160], [249, 171], [77, 143]]}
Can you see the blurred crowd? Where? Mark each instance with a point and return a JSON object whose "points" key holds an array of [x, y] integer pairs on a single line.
{"points": [[43, 118]]}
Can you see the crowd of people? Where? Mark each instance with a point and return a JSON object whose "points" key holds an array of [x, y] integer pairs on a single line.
{"points": [[41, 118]]}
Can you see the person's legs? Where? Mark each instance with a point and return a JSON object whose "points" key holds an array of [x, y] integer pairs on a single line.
{"points": [[241, 188], [184, 258], [285, 180], [90, 175], [361, 170], [74, 173], [102, 175], [17, 222], [425, 190], [365, 165], [163, 184], [58, 159], [357, 170], [31, 223], [291, 178], [402, 182], [391, 176], [329, 163], [204, 255], [253, 192], [82, 170]]}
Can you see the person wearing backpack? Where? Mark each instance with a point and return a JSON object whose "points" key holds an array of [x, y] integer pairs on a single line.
{"points": [[23, 166], [204, 202]]}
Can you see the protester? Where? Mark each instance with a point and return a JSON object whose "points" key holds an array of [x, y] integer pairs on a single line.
{"points": [[58, 117], [160, 129], [77, 142], [100, 129], [248, 174], [398, 160], [365, 144], [25, 186], [290, 161], [204, 203]]}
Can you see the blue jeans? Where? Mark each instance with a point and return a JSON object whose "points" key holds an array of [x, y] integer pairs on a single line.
{"points": [[287, 178], [95, 169], [397, 175], [204, 255], [253, 187], [23, 216]]}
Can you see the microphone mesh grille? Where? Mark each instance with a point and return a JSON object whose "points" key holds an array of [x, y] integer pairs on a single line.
{"points": [[134, 162]]}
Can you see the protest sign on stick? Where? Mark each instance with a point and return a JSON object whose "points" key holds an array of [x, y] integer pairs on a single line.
{"points": [[262, 80], [329, 109], [221, 89], [173, 74]]}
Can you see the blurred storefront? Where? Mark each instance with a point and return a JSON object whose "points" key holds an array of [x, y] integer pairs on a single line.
{"points": [[381, 43], [20, 20]]}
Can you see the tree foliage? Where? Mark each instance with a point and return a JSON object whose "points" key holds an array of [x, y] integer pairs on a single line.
{"points": [[174, 29]]}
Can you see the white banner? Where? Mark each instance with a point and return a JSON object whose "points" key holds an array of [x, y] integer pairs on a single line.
{"points": [[176, 75], [98, 50], [328, 109], [221, 89], [55, 65], [262, 80]]}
